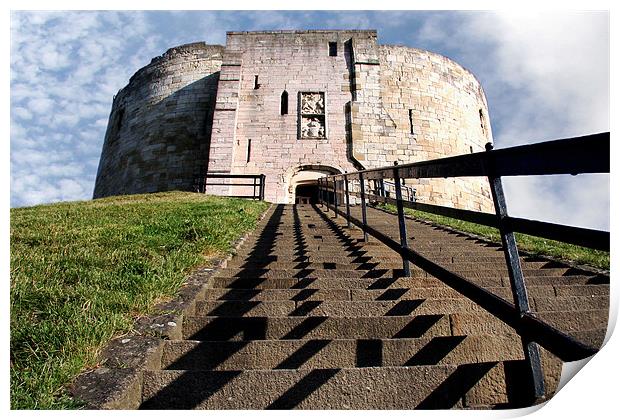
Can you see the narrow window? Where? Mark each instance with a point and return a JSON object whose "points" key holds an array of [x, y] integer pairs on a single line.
{"points": [[411, 122], [333, 49], [284, 103], [249, 152], [471, 149], [256, 85]]}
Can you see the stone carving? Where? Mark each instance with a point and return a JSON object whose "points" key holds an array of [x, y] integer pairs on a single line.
{"points": [[312, 118], [312, 127], [312, 103]]}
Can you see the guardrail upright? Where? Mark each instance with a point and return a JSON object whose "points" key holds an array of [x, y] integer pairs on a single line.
{"points": [[335, 199], [346, 198], [402, 227], [363, 200], [327, 195], [263, 177], [515, 273]]}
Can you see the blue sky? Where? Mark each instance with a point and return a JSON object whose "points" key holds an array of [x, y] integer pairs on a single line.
{"points": [[546, 76]]}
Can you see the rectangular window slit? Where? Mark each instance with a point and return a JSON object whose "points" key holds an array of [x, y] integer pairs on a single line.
{"points": [[411, 122], [249, 152], [333, 49], [256, 85]]}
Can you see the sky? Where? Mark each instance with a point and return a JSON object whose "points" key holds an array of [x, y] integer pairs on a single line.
{"points": [[545, 74]]}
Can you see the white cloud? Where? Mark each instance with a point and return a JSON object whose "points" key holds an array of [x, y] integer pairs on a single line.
{"points": [[559, 62], [65, 67], [575, 201], [40, 105], [22, 113]]}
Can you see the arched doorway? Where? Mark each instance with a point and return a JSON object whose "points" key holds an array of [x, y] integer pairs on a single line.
{"points": [[307, 193], [303, 185]]}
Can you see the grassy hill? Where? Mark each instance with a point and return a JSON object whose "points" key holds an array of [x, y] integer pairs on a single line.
{"points": [[81, 272]]}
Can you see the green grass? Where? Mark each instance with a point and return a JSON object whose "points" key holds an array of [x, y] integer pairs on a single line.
{"points": [[82, 271], [531, 244]]}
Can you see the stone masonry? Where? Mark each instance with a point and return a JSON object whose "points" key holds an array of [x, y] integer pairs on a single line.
{"points": [[293, 105]]}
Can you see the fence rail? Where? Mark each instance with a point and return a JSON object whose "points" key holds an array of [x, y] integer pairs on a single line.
{"points": [[257, 183], [587, 154]]}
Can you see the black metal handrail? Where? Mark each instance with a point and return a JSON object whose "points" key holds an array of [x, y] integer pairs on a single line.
{"points": [[257, 184], [587, 154]]}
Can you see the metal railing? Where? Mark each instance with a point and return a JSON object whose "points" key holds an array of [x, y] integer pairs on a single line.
{"points": [[587, 154], [387, 189], [228, 180]]}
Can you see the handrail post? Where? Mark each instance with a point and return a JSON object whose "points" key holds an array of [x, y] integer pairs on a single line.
{"points": [[517, 282], [346, 197], [254, 196], [402, 227], [335, 199], [320, 192], [363, 200], [327, 193]]}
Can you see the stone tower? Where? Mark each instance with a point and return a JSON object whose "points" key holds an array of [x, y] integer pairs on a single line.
{"points": [[293, 105]]}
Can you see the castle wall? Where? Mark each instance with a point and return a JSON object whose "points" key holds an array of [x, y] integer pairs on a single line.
{"points": [[158, 132], [352, 104]]}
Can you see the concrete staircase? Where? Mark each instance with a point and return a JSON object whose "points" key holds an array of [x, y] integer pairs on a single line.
{"points": [[308, 316]]}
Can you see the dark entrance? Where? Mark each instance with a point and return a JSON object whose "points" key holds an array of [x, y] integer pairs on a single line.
{"points": [[307, 194]]}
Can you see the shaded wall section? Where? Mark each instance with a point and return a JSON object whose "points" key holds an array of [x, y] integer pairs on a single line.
{"points": [[160, 125]]}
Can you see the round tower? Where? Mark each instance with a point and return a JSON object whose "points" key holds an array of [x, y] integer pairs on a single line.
{"points": [[439, 109], [160, 124]]}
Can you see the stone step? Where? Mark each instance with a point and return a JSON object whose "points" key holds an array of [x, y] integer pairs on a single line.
{"points": [[318, 246], [447, 386], [321, 327], [329, 354], [548, 298], [570, 303], [569, 322], [582, 290], [335, 308], [380, 263], [401, 307], [397, 264], [328, 283], [360, 327], [352, 273], [387, 282], [316, 273], [311, 258], [360, 294], [364, 327], [305, 232], [526, 262], [367, 251]]}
